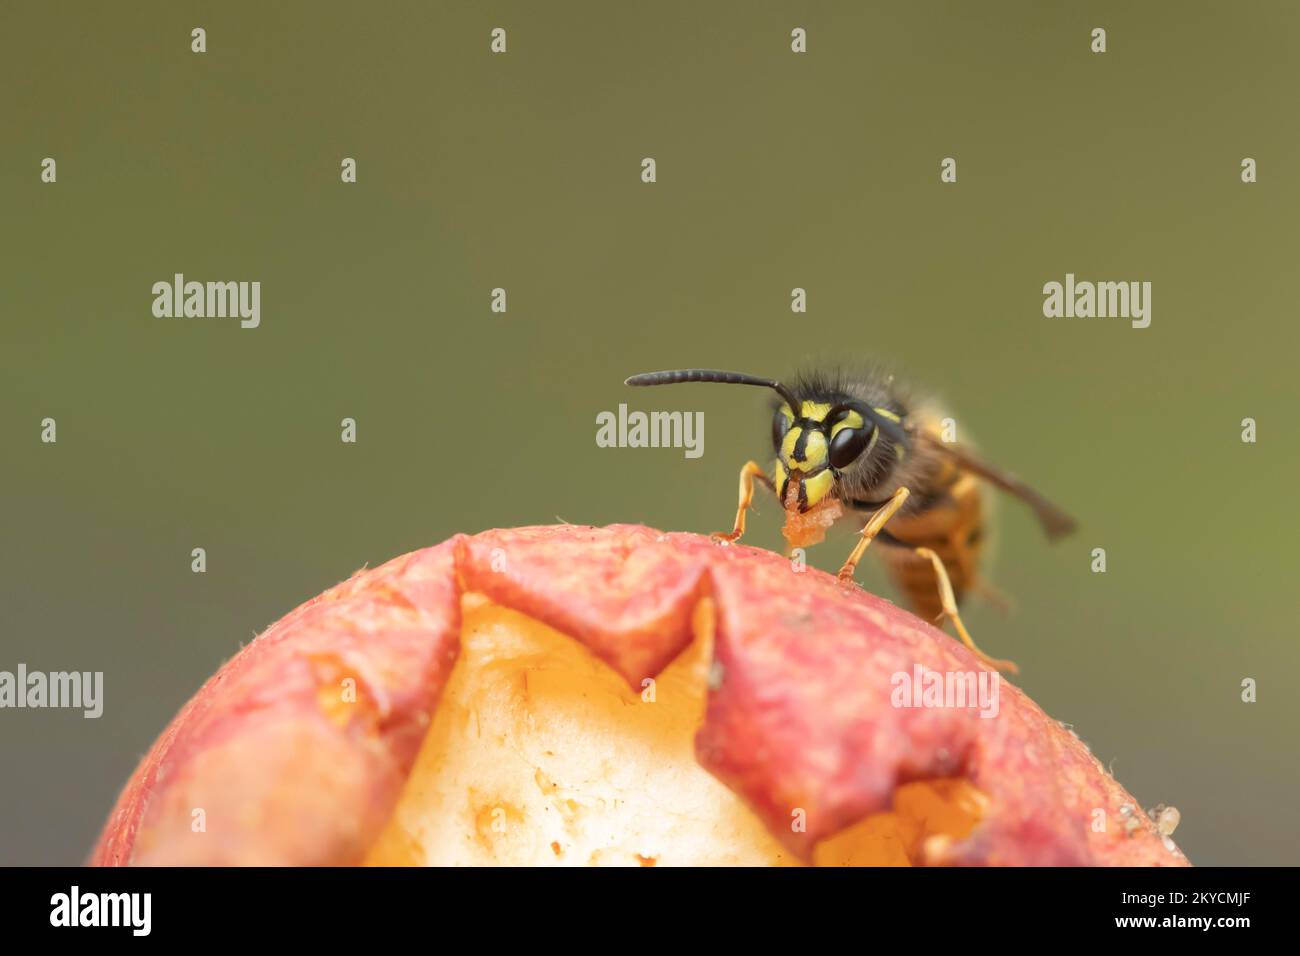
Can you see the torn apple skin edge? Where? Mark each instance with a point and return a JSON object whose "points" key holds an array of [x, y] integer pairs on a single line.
{"points": [[776, 740]]}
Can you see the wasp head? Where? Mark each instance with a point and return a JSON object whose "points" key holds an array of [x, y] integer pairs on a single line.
{"points": [[812, 446]]}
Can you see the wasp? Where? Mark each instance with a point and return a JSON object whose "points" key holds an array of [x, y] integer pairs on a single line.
{"points": [[863, 448]]}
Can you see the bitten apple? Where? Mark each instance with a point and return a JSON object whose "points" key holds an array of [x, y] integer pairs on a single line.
{"points": [[571, 695]]}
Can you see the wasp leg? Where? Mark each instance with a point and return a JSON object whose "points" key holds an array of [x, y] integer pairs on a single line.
{"points": [[869, 531], [950, 609], [751, 471]]}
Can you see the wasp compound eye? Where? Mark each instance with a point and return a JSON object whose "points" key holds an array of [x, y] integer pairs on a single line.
{"points": [[780, 425], [847, 445]]}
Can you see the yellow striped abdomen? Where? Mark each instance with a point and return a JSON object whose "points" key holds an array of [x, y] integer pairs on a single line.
{"points": [[953, 528]]}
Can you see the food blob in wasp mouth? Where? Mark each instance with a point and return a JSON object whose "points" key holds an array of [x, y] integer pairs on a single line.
{"points": [[803, 529]]}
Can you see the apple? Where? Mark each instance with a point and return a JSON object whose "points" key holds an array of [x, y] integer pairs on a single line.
{"points": [[616, 696]]}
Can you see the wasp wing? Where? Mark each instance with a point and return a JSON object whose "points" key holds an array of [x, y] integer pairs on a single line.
{"points": [[1055, 522]]}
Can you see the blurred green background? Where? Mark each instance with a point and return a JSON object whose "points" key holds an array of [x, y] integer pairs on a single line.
{"points": [[775, 170]]}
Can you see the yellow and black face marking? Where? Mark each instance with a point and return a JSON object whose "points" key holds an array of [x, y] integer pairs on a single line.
{"points": [[856, 442], [813, 446]]}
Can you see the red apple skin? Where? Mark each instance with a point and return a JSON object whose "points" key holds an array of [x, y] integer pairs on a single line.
{"points": [[255, 746], [799, 720]]}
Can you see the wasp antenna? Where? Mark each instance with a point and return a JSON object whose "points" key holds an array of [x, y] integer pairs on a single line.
{"points": [[677, 376]]}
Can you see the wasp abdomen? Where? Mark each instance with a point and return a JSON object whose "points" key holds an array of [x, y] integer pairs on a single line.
{"points": [[952, 526]]}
